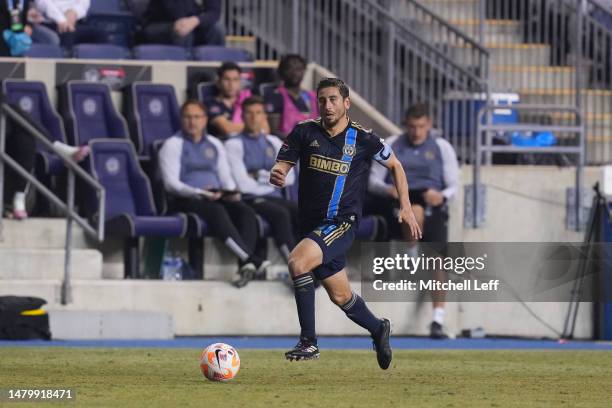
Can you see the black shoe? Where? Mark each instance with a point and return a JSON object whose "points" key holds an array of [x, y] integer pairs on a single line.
{"points": [[381, 344], [244, 275], [436, 332], [306, 349]]}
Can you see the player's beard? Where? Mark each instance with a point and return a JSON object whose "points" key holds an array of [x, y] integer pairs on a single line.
{"points": [[330, 124]]}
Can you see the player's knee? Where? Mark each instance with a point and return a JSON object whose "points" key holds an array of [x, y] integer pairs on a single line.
{"points": [[340, 298], [297, 266]]}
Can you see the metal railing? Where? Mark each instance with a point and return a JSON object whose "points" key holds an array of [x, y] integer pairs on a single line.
{"points": [[67, 207], [390, 63], [570, 141]]}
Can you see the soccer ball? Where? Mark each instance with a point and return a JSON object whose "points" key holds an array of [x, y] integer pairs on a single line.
{"points": [[219, 362]]}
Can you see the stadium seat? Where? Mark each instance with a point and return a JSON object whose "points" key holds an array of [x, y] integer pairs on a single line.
{"points": [[218, 53], [152, 113], [100, 51], [129, 208], [45, 51], [160, 52], [32, 98], [89, 113], [265, 89], [206, 91]]}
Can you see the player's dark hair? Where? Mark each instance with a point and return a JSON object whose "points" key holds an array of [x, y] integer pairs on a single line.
{"points": [[252, 100], [194, 102], [334, 83], [417, 111], [285, 60], [228, 66]]}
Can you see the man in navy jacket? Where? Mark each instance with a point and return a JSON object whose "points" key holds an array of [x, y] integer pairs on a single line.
{"points": [[184, 22]]}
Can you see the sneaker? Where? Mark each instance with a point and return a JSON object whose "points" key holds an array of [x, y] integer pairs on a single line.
{"points": [[381, 344], [263, 270], [305, 349], [436, 331], [244, 275]]}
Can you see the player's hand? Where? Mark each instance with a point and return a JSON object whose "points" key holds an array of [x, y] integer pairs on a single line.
{"points": [[433, 197], [62, 27], [277, 177], [71, 19], [406, 216]]}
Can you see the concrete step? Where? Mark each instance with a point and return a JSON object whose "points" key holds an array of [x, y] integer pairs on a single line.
{"points": [[495, 31], [217, 308], [40, 233], [505, 54], [453, 9], [110, 324], [39, 263], [510, 78], [593, 100]]}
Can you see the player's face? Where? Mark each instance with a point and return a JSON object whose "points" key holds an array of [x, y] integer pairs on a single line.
{"points": [[418, 129], [194, 121], [332, 106], [294, 74], [254, 118], [230, 84]]}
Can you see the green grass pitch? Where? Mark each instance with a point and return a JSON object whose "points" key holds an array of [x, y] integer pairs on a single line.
{"points": [[417, 378]]}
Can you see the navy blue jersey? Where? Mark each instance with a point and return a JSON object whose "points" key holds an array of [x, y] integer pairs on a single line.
{"points": [[333, 170]]}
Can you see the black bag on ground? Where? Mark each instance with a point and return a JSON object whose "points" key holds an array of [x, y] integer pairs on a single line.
{"points": [[21, 318]]}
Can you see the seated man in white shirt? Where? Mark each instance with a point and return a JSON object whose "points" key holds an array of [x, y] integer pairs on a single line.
{"points": [[197, 176]]}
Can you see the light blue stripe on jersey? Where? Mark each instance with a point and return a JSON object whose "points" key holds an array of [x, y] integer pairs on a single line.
{"points": [[334, 203]]}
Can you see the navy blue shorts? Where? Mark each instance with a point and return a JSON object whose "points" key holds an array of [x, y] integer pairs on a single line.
{"points": [[334, 239]]}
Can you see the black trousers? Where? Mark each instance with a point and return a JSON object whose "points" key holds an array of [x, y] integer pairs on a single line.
{"points": [[21, 147], [282, 215], [234, 223]]}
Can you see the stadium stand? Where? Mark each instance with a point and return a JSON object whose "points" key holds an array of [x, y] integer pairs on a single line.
{"points": [[218, 53], [89, 113], [160, 52], [100, 51], [45, 51]]}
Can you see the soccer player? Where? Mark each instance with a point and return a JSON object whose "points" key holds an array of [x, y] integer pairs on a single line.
{"points": [[335, 155]]}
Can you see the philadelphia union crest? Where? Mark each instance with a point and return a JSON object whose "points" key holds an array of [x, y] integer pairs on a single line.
{"points": [[349, 150]]}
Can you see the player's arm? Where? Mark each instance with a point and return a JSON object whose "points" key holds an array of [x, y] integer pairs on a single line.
{"points": [[387, 158], [287, 156], [227, 127]]}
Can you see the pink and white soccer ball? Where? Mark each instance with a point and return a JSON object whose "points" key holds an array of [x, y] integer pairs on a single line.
{"points": [[219, 362]]}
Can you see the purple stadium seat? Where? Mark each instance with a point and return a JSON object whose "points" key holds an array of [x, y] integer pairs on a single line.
{"points": [[89, 113], [130, 211], [219, 53], [32, 98], [206, 91], [153, 115], [100, 51], [160, 52], [45, 51]]}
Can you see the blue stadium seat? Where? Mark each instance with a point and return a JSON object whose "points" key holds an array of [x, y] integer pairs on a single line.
{"points": [[160, 52], [129, 208], [45, 51], [265, 89], [100, 51], [89, 113], [152, 113], [219, 53], [32, 98]]}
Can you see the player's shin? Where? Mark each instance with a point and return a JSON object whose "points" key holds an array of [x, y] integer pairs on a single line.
{"points": [[358, 312], [305, 301]]}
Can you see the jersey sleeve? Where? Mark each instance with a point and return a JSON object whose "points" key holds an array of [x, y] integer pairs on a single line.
{"points": [[290, 150], [214, 110], [378, 149]]}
